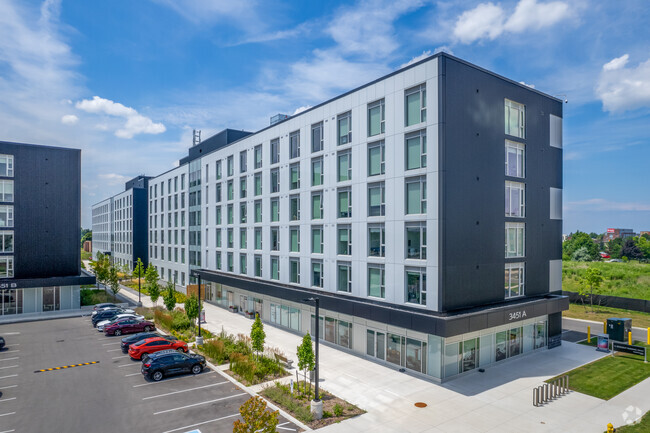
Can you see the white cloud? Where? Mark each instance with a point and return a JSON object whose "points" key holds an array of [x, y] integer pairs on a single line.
{"points": [[489, 20], [113, 178], [69, 119], [622, 88], [135, 123], [211, 11], [301, 109], [532, 86], [601, 204], [416, 59]]}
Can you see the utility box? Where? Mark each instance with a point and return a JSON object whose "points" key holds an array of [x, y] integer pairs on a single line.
{"points": [[618, 328]]}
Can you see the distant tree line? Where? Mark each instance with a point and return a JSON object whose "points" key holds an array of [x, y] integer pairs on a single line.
{"points": [[584, 247]]}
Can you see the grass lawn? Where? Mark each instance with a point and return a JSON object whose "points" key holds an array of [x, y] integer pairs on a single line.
{"points": [[601, 314], [627, 280], [643, 426]]}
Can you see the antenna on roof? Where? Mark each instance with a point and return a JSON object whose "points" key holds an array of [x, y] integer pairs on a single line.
{"points": [[196, 137]]}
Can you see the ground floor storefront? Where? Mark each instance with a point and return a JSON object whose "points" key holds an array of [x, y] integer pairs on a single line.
{"points": [[39, 299]]}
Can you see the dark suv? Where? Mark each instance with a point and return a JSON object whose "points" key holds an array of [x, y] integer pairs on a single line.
{"points": [[167, 363]]}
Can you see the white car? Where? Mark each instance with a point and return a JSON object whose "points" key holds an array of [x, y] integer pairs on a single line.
{"points": [[101, 325]]}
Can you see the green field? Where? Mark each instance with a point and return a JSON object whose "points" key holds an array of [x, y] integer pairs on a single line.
{"points": [[600, 314], [627, 280]]}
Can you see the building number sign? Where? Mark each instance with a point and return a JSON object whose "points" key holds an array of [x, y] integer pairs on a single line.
{"points": [[517, 315], [8, 285]]}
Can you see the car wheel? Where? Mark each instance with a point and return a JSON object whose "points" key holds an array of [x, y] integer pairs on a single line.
{"points": [[118, 332], [180, 349], [157, 376], [147, 329], [197, 369]]}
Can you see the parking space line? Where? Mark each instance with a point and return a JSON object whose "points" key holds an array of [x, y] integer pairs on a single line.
{"points": [[9, 366], [7, 431], [113, 350], [12, 351], [199, 423], [199, 404], [129, 365], [121, 356], [11, 333], [9, 359], [185, 390], [10, 386], [7, 399], [108, 344], [169, 380], [11, 375], [10, 413]]}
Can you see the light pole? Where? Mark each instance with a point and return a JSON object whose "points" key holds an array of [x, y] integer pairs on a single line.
{"points": [[316, 404], [139, 290], [199, 339]]}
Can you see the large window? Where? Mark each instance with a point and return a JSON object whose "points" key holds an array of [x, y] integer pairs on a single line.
{"points": [[258, 238], [275, 268], [230, 215], [514, 280], [376, 117], [6, 267], [515, 159], [416, 241], [294, 144], [416, 195], [515, 239], [515, 118], [344, 166], [345, 203], [416, 286], [294, 271], [231, 165], [258, 211], [11, 301], [275, 180], [258, 266], [258, 184], [317, 171], [376, 240], [242, 239], [257, 153], [294, 239], [7, 165], [376, 158], [7, 190], [317, 240], [242, 263], [376, 199], [275, 210], [275, 151], [415, 105], [515, 199], [242, 187], [344, 241], [275, 239], [230, 263], [344, 277], [317, 273], [376, 286], [344, 128], [230, 192], [294, 176], [231, 239], [6, 216], [317, 137], [217, 174], [317, 205], [294, 208], [416, 150], [242, 162]]}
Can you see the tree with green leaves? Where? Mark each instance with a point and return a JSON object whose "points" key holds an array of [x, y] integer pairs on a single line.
{"points": [[306, 361], [631, 250], [258, 335], [86, 235], [100, 268], [139, 272], [590, 282], [169, 298], [581, 255], [578, 240], [151, 281], [256, 419], [615, 247], [192, 308], [643, 242], [113, 281]]}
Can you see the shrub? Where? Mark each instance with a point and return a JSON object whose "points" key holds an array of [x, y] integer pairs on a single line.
{"points": [[327, 414], [180, 322], [280, 394], [146, 312], [243, 366], [216, 350], [338, 410]]}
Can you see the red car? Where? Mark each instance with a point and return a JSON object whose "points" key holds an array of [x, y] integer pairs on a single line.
{"points": [[129, 326], [604, 255], [155, 344]]}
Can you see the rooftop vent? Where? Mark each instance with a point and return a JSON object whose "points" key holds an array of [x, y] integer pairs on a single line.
{"points": [[278, 118]]}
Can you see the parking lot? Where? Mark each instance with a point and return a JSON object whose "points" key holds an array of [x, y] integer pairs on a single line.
{"points": [[93, 387]]}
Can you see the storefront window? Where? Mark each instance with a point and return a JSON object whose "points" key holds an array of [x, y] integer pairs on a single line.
{"points": [[540, 335], [470, 354], [451, 359], [344, 334], [416, 355], [501, 350], [330, 330], [12, 301], [515, 342], [394, 349]]}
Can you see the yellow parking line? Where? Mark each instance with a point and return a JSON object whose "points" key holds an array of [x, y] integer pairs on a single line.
{"points": [[66, 366]]}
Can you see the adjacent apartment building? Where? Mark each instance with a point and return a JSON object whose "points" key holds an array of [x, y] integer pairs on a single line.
{"points": [[423, 209], [40, 222], [119, 224]]}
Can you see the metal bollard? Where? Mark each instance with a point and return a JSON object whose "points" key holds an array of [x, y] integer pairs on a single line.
{"points": [[535, 402]]}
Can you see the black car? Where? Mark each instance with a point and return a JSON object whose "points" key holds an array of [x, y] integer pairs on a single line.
{"points": [[2, 343], [132, 339], [106, 315], [104, 305], [167, 363]]}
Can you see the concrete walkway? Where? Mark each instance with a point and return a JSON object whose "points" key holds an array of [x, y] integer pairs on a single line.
{"points": [[499, 400]]}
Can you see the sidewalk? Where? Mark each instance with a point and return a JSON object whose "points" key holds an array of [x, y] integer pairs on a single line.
{"points": [[499, 400]]}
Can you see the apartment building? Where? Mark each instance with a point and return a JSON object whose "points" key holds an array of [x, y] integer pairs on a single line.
{"points": [[40, 219]]}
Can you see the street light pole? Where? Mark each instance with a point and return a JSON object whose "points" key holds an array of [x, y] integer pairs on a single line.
{"points": [[199, 339], [139, 289], [316, 404]]}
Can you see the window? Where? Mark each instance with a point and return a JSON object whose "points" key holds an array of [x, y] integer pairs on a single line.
{"points": [[257, 153], [275, 180], [218, 260], [242, 187], [345, 203], [275, 210], [294, 208], [317, 240], [6, 267], [415, 105], [242, 263], [515, 199], [376, 240], [230, 214], [258, 184], [218, 195], [258, 211], [515, 117], [294, 239], [6, 216], [376, 118], [344, 164], [294, 176], [258, 266], [416, 241], [258, 238], [344, 277], [344, 241], [7, 165], [230, 262], [7, 190], [242, 162], [317, 171], [317, 205], [218, 215], [416, 195], [294, 144], [231, 190], [275, 268], [515, 277], [275, 151], [376, 199], [231, 165], [416, 286], [515, 159], [6, 242], [515, 239], [317, 274], [376, 158], [416, 150], [275, 239], [217, 238], [217, 174], [344, 126], [231, 242], [317, 137], [376, 286], [242, 239], [294, 271]]}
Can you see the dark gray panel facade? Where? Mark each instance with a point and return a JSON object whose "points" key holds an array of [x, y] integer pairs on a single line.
{"points": [[141, 225]]}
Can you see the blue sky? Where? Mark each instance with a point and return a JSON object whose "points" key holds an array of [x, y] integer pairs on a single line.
{"points": [[127, 81]]}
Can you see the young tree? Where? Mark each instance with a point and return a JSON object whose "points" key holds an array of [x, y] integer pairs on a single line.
{"points": [[139, 272], [591, 281], [631, 250], [169, 298], [151, 280], [306, 358], [100, 268], [126, 272], [256, 418], [581, 255], [192, 307], [258, 335], [113, 281]]}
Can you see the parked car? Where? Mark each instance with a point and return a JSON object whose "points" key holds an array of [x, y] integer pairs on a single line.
{"points": [[2, 342], [105, 305], [615, 261], [129, 326], [159, 365], [99, 310], [104, 323], [604, 255], [108, 314], [155, 344], [132, 339]]}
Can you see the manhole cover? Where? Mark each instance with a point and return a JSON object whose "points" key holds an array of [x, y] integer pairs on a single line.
{"points": [[420, 404]]}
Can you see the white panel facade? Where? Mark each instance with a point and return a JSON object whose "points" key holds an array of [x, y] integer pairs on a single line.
{"points": [[102, 226], [123, 229]]}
